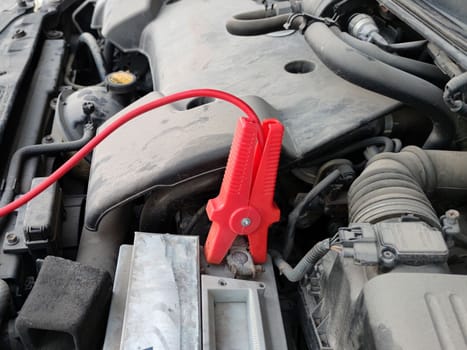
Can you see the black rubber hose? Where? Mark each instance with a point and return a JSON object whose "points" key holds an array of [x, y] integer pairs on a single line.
{"points": [[305, 264], [297, 211], [386, 142], [91, 43], [422, 70], [258, 22], [382, 78], [108, 54], [159, 209], [23, 153], [5, 299], [405, 47]]}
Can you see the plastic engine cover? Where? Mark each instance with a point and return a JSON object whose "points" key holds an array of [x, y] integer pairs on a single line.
{"points": [[188, 51]]}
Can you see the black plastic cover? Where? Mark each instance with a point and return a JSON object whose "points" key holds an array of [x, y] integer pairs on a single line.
{"points": [[188, 47], [42, 216], [127, 19]]}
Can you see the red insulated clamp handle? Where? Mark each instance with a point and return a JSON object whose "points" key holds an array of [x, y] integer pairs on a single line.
{"points": [[245, 204]]}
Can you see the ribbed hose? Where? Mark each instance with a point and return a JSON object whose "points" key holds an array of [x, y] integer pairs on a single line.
{"points": [[4, 300], [305, 264], [396, 184], [393, 185]]}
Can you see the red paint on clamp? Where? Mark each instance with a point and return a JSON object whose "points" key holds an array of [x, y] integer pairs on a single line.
{"points": [[245, 204]]}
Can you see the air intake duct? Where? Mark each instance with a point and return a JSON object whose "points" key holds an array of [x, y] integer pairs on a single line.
{"points": [[398, 184]]}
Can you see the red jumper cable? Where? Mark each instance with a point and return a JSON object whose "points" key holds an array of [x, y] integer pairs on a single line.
{"points": [[248, 186]]}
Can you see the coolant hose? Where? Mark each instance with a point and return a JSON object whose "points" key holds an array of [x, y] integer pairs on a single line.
{"points": [[14, 169], [297, 211], [398, 184], [90, 42], [5, 299], [384, 79], [259, 22], [422, 70], [305, 264]]}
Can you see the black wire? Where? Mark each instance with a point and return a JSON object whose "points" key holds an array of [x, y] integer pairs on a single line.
{"points": [[194, 219], [296, 212], [377, 140], [405, 46]]}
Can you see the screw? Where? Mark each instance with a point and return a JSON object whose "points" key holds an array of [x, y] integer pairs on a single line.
{"points": [[53, 103], [222, 283], [88, 108], [246, 222], [388, 258], [11, 238], [19, 34], [48, 139], [388, 255]]}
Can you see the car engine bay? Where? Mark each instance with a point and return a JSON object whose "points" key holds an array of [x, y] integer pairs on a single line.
{"points": [[207, 174]]}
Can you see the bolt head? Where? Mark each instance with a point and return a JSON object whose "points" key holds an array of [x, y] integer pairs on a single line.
{"points": [[388, 255], [222, 283], [388, 258], [48, 139], [246, 222], [12, 238], [88, 107], [19, 33]]}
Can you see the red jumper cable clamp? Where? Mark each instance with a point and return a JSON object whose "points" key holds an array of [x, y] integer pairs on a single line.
{"points": [[245, 204]]}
